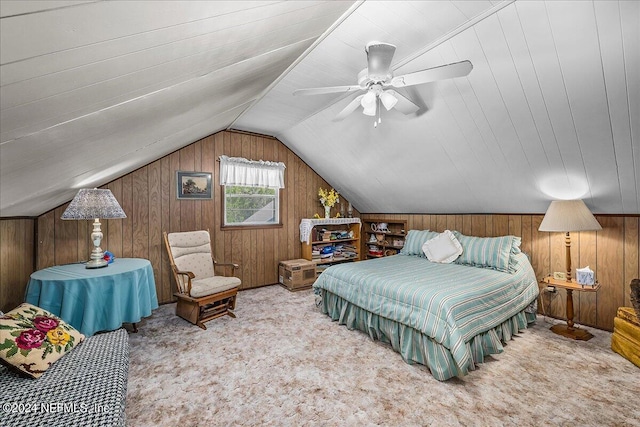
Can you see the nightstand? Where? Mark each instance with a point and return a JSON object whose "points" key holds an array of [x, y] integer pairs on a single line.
{"points": [[568, 330]]}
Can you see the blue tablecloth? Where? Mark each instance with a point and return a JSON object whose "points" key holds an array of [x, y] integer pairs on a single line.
{"points": [[93, 300]]}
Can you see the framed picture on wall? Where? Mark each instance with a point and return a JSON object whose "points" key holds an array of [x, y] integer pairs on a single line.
{"points": [[193, 185]]}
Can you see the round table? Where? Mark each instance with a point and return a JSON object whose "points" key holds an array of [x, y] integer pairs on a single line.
{"points": [[98, 299]]}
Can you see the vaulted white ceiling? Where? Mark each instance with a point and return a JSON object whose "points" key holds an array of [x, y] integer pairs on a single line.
{"points": [[93, 90]]}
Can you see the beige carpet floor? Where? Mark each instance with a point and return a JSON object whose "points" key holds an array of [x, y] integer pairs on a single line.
{"points": [[283, 363]]}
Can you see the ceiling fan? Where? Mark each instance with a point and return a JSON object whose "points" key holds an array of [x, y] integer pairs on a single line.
{"points": [[377, 81]]}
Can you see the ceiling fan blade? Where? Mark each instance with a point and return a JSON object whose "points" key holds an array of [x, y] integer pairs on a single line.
{"points": [[329, 89], [379, 56], [404, 105], [350, 108], [457, 69]]}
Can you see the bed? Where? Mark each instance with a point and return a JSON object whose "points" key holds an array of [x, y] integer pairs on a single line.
{"points": [[447, 317]]}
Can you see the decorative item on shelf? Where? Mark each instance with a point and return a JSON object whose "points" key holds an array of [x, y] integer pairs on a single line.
{"points": [[585, 276], [376, 251], [398, 243], [350, 211], [94, 204], [373, 239], [566, 216], [380, 237], [381, 227], [328, 199]]}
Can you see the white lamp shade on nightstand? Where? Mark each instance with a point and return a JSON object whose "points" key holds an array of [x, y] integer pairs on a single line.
{"points": [[569, 215]]}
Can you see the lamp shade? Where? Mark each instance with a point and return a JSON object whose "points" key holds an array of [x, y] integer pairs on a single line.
{"points": [[94, 203], [388, 100], [368, 103], [568, 215]]}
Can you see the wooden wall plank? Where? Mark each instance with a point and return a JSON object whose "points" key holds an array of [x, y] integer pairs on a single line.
{"points": [[525, 233], [217, 233], [197, 166], [228, 244], [66, 247], [514, 226], [478, 225], [258, 235], [114, 232], [557, 258], [500, 224], [451, 222], [140, 192], [175, 205], [585, 302], [467, 225], [630, 256], [489, 225], [45, 238], [207, 207], [127, 223], [154, 213], [188, 207], [166, 180], [610, 264], [17, 260]]}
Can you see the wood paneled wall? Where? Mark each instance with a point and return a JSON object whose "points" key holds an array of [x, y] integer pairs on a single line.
{"points": [[611, 253], [148, 197], [17, 260]]}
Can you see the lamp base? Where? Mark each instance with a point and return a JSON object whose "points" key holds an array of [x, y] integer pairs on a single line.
{"points": [[96, 263], [573, 333]]}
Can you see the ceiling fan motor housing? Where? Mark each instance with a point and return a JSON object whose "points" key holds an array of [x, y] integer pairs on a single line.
{"points": [[379, 56]]}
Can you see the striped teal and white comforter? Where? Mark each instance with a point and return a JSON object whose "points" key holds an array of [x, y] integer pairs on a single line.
{"points": [[450, 303]]}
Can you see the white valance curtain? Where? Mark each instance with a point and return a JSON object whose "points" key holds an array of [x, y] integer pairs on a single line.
{"points": [[251, 173]]}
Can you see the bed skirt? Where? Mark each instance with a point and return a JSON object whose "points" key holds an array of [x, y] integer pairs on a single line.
{"points": [[415, 347]]}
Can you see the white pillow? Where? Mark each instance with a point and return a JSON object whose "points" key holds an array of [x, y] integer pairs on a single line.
{"points": [[444, 248]]}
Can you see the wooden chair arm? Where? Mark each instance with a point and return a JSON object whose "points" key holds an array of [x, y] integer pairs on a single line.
{"points": [[226, 264], [189, 274]]}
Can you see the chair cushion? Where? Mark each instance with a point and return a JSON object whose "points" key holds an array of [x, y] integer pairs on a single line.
{"points": [[213, 285], [192, 252]]}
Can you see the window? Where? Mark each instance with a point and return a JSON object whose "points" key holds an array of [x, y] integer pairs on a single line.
{"points": [[251, 205], [251, 191]]}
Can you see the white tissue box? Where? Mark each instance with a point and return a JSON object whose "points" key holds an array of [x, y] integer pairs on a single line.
{"points": [[585, 276]]}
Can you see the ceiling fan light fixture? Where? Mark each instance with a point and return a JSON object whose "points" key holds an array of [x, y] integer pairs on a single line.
{"points": [[368, 103], [388, 100], [370, 110], [368, 100]]}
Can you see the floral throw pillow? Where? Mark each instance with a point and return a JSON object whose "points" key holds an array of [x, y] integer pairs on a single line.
{"points": [[32, 339]]}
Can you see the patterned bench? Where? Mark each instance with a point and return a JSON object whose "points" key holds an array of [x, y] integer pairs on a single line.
{"points": [[87, 387]]}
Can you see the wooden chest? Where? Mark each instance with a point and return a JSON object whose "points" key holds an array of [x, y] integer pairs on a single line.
{"points": [[626, 335]]}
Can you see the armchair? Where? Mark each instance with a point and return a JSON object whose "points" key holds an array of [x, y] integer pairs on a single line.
{"points": [[201, 294]]}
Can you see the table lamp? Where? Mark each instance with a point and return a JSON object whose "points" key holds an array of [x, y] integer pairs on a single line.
{"points": [[94, 204], [566, 216]]}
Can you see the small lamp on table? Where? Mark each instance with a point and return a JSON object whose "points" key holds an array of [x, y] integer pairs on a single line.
{"points": [[94, 204]]}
